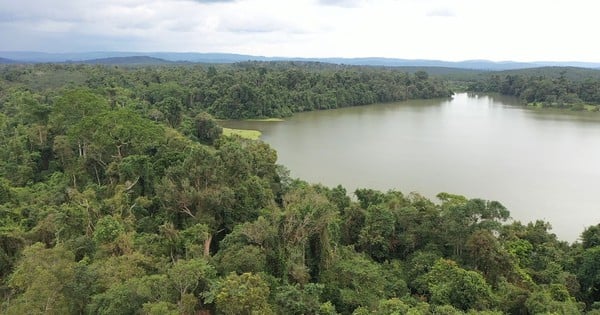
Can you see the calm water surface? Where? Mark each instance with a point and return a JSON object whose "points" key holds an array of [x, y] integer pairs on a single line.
{"points": [[539, 164]]}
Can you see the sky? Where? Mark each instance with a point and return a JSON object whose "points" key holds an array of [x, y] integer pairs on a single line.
{"points": [[452, 30]]}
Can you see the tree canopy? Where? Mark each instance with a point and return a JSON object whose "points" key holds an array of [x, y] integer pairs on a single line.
{"points": [[119, 194]]}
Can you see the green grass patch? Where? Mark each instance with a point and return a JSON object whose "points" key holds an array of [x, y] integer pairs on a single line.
{"points": [[573, 107], [536, 105], [244, 133], [266, 119], [253, 119]]}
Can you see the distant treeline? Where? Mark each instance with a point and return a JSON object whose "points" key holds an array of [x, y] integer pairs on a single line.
{"points": [[545, 91], [244, 90]]}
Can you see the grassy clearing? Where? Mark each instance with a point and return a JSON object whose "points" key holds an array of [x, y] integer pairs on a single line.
{"points": [[244, 133], [266, 119], [576, 107], [254, 119]]}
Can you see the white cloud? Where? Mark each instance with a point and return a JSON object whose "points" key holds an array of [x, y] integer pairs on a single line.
{"points": [[432, 29], [341, 3], [441, 12]]}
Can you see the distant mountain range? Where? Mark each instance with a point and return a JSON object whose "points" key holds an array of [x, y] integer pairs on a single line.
{"points": [[152, 58], [5, 61], [133, 60]]}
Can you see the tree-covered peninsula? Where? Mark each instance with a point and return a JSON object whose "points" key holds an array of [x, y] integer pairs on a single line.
{"points": [[566, 88]]}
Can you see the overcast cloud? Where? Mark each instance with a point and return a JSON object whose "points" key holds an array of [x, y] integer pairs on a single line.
{"points": [[415, 29]]}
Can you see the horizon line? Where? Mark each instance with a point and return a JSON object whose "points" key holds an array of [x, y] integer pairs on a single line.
{"points": [[294, 57]]}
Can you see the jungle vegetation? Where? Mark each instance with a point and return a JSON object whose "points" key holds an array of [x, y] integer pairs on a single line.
{"points": [[566, 88], [119, 194]]}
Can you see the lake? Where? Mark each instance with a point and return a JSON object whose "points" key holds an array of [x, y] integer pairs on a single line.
{"points": [[540, 164]]}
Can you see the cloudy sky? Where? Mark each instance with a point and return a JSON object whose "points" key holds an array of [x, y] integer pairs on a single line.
{"points": [[520, 30]]}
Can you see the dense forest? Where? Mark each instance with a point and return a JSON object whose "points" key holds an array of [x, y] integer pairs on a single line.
{"points": [[244, 90], [572, 89], [120, 195]]}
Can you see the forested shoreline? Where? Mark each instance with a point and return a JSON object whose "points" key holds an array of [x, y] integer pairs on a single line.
{"points": [[544, 90], [120, 195], [243, 90]]}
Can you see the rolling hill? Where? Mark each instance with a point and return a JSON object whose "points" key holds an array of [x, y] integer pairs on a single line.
{"points": [[111, 57], [132, 60], [7, 61]]}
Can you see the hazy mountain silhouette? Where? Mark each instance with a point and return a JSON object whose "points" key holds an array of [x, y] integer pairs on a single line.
{"points": [[112, 57]]}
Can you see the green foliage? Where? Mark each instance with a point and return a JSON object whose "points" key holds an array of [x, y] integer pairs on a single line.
{"points": [[309, 225], [377, 233], [128, 215], [187, 276], [368, 197], [74, 106], [42, 276], [487, 256], [352, 221], [12, 242], [245, 90], [462, 217], [107, 230], [327, 309], [160, 308], [512, 298], [353, 281], [419, 265], [520, 249], [128, 297], [296, 300], [337, 195], [241, 258], [114, 270], [546, 89], [205, 128], [193, 237], [589, 274], [591, 237], [463, 289], [243, 294], [172, 110], [393, 306], [115, 134], [549, 302], [395, 276], [250, 247]]}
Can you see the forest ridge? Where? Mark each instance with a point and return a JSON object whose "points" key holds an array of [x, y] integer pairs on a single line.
{"points": [[219, 58]]}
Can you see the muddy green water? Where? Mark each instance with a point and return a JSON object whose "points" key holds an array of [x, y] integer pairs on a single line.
{"points": [[539, 164]]}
